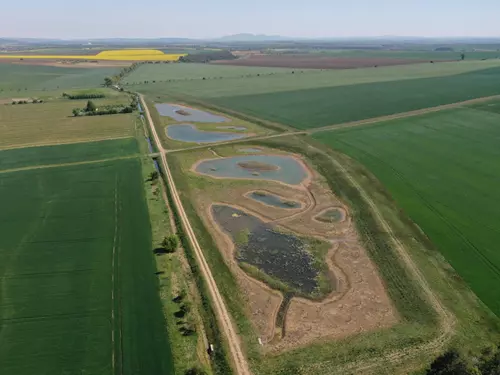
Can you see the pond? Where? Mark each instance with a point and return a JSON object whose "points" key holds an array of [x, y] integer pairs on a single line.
{"points": [[190, 133], [263, 167], [250, 150], [280, 255], [273, 200], [182, 113], [332, 215]]}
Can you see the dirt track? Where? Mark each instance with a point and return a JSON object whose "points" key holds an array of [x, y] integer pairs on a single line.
{"points": [[351, 124], [239, 361]]}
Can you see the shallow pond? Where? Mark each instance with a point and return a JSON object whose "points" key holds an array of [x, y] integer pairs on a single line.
{"points": [[273, 200], [263, 167], [190, 133], [250, 150], [280, 255], [238, 128], [182, 113], [332, 215]]}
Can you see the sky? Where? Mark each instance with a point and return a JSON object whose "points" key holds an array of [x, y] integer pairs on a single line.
{"points": [[214, 18]]}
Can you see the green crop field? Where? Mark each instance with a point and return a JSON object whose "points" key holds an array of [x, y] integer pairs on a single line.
{"points": [[442, 169], [18, 78], [165, 72], [309, 79], [408, 54], [78, 291], [305, 109], [52, 122], [69, 153]]}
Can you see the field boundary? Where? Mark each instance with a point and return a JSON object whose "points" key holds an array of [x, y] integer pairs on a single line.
{"points": [[82, 140], [236, 351], [13, 170]]}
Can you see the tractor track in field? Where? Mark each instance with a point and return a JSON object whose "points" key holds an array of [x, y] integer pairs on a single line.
{"points": [[345, 125], [236, 352]]}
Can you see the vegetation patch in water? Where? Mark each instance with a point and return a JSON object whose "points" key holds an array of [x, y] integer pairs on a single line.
{"points": [[284, 261]]}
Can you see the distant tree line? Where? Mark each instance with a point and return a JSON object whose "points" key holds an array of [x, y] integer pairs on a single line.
{"points": [[83, 96], [30, 101], [207, 57]]}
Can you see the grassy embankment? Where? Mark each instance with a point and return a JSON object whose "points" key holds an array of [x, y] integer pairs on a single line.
{"points": [[176, 285]]}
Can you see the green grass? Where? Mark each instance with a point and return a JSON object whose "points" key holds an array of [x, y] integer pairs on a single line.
{"points": [[442, 169], [176, 72], [17, 79], [60, 228], [309, 79], [306, 109], [52, 123], [70, 153]]}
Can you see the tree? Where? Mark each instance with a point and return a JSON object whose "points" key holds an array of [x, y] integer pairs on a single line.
{"points": [[170, 243], [90, 106], [76, 112], [153, 176], [490, 362], [108, 81], [462, 56], [450, 363]]}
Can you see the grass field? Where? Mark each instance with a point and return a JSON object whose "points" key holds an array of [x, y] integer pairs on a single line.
{"points": [[176, 72], [18, 78], [52, 122], [310, 79], [65, 232], [312, 108], [442, 169], [408, 54], [68, 153]]}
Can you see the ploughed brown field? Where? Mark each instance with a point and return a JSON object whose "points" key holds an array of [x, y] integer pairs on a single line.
{"points": [[316, 62]]}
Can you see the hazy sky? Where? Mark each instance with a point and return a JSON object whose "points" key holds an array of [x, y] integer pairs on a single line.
{"points": [[213, 18]]}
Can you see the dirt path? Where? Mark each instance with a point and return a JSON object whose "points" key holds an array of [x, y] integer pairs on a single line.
{"points": [[348, 124], [239, 361], [446, 319]]}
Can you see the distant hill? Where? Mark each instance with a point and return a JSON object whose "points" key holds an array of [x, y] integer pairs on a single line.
{"points": [[252, 38]]}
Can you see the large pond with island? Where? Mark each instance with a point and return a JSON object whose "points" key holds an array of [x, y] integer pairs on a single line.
{"points": [[280, 168]]}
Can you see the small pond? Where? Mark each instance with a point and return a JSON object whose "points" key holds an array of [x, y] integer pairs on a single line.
{"points": [[250, 150], [280, 255], [273, 200], [237, 128], [332, 215], [190, 133], [182, 113], [263, 167]]}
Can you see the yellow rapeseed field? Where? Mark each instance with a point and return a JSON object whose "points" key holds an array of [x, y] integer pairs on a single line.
{"points": [[114, 55]]}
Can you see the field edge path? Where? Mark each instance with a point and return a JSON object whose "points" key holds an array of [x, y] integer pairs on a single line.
{"points": [[236, 351]]}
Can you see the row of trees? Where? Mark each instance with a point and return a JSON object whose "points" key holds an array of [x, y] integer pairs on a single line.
{"points": [[110, 81], [30, 101], [90, 95], [92, 110]]}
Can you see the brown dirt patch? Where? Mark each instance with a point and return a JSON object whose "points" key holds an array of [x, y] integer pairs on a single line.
{"points": [[315, 62]]}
